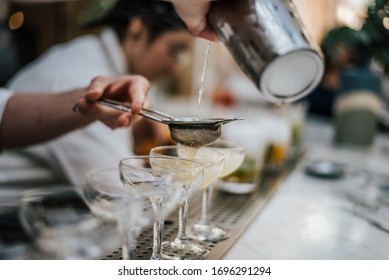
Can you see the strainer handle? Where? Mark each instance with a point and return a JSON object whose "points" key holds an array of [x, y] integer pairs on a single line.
{"points": [[125, 107], [224, 121]]}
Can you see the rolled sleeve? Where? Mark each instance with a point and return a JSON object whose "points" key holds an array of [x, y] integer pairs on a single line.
{"points": [[5, 94]]}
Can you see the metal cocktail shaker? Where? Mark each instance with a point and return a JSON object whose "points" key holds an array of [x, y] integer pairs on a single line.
{"points": [[269, 42]]}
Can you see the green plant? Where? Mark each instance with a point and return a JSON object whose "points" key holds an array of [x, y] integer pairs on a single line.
{"points": [[376, 34], [372, 40]]}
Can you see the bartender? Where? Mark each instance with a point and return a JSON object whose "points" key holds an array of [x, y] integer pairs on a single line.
{"points": [[15, 131], [20, 114]]}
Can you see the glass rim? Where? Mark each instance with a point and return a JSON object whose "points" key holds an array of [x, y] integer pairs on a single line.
{"points": [[231, 144], [193, 162], [221, 155]]}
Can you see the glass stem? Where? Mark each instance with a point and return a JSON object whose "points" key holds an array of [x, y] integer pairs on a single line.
{"points": [[157, 239], [210, 195], [204, 220], [158, 233], [126, 248], [128, 245], [182, 213]]}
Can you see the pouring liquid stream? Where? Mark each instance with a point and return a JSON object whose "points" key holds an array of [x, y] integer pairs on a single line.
{"points": [[202, 80], [190, 152]]}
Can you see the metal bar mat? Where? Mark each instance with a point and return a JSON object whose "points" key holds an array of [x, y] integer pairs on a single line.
{"points": [[232, 212]]}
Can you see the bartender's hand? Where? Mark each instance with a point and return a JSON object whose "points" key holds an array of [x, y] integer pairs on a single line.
{"points": [[193, 12], [132, 89]]}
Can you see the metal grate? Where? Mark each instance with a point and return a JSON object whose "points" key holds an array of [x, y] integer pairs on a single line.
{"points": [[229, 211]]}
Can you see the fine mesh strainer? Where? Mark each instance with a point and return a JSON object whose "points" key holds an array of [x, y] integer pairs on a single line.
{"points": [[191, 131]]}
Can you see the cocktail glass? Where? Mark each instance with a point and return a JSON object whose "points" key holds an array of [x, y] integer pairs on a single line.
{"points": [[62, 226], [212, 161], [163, 180], [204, 230], [108, 199]]}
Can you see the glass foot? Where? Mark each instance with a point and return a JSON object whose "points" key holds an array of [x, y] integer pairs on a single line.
{"points": [[208, 233], [186, 250]]}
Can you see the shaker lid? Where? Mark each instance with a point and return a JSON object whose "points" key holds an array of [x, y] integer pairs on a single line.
{"points": [[291, 76]]}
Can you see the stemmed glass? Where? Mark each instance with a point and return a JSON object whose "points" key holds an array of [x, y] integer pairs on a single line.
{"points": [[62, 226], [181, 247], [161, 179], [204, 230], [107, 198]]}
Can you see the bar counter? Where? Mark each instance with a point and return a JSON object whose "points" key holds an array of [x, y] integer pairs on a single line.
{"points": [[314, 218], [298, 216]]}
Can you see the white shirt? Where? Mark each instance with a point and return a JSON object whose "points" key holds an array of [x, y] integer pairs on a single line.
{"points": [[63, 67], [5, 94]]}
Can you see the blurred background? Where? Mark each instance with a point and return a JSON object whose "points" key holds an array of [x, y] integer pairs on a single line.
{"points": [[29, 27], [349, 106], [350, 33]]}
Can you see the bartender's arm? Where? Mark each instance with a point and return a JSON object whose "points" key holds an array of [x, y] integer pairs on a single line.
{"points": [[193, 13], [32, 118]]}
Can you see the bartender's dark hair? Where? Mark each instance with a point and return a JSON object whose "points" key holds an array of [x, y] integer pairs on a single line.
{"points": [[159, 16]]}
